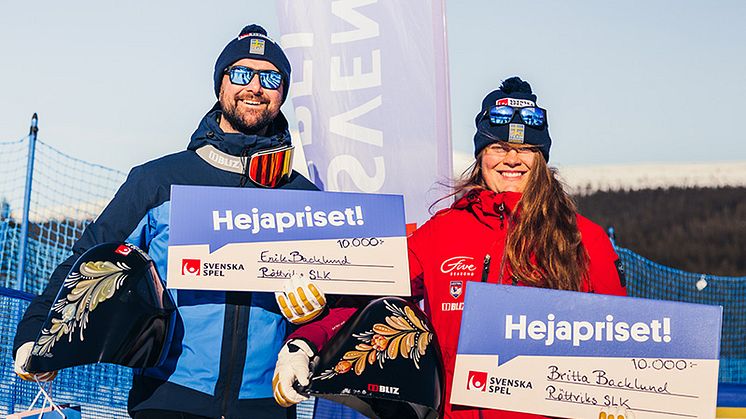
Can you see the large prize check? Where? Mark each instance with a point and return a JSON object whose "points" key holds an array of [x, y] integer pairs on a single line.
{"points": [[574, 355], [250, 239]]}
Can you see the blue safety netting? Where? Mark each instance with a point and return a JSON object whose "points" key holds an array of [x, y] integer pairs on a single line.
{"points": [[66, 194], [100, 390], [647, 279]]}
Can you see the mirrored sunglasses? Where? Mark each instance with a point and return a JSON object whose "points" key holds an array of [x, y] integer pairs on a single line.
{"points": [[503, 114], [240, 75]]}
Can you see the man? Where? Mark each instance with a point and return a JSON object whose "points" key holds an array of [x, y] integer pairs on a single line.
{"points": [[225, 343]]}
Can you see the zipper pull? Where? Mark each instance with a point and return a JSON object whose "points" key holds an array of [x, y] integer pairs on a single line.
{"points": [[486, 268], [501, 215]]}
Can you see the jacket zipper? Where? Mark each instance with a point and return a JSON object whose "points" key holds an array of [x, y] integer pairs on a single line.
{"points": [[505, 253], [234, 342], [486, 267]]}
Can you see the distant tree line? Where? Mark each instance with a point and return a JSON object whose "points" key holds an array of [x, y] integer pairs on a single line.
{"points": [[700, 230]]}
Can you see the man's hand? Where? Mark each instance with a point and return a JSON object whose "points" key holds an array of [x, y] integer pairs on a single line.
{"points": [[292, 365], [300, 301], [22, 355]]}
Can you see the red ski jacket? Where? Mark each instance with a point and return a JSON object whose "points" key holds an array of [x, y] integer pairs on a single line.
{"points": [[453, 247]]}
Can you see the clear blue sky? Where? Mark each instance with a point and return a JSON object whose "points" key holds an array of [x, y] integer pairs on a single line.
{"points": [[119, 83]]}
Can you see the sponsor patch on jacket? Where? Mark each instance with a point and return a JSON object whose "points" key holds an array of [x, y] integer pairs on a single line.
{"points": [[452, 306], [456, 288], [516, 103], [256, 46], [458, 266], [516, 133]]}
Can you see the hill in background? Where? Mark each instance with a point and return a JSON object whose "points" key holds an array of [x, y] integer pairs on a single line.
{"points": [[699, 230]]}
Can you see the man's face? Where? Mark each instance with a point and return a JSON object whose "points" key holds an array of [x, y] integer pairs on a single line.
{"points": [[250, 108]]}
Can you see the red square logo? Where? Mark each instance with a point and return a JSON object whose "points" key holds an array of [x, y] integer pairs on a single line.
{"points": [[477, 381], [123, 250], [190, 267]]}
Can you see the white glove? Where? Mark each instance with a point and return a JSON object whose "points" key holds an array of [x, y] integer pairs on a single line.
{"points": [[300, 301], [292, 365], [22, 355], [616, 413]]}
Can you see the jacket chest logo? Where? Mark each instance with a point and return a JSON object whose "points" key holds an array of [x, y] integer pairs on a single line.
{"points": [[222, 160], [459, 266], [455, 288]]}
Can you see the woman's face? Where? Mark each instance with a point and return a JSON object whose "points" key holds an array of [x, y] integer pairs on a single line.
{"points": [[506, 167]]}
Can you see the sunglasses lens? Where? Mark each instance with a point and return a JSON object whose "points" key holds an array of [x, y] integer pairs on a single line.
{"points": [[534, 117], [501, 114], [240, 75], [270, 79], [271, 168]]}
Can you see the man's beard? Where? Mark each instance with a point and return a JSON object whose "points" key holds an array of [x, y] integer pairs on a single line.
{"points": [[233, 117]]}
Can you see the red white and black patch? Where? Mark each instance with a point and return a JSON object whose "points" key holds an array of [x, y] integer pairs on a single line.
{"points": [[456, 288], [123, 250], [516, 103]]}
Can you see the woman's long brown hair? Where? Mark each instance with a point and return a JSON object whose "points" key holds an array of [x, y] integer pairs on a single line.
{"points": [[543, 245]]}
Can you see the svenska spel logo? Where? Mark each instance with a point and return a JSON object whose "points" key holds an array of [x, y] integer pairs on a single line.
{"points": [[123, 250], [477, 381], [190, 267]]}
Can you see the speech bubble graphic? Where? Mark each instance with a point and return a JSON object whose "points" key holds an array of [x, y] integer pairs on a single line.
{"points": [[218, 215], [539, 322]]}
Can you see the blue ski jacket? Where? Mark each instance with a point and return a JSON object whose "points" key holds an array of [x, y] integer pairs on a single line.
{"points": [[221, 360]]}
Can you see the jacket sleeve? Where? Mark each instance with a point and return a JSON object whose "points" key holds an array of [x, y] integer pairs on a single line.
{"points": [[119, 220], [319, 332], [604, 273]]}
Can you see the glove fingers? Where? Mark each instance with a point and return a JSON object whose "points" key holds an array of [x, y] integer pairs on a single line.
{"points": [[43, 377], [307, 318], [303, 380], [282, 302], [294, 304], [300, 301], [25, 376], [317, 294], [302, 294], [284, 394], [279, 396]]}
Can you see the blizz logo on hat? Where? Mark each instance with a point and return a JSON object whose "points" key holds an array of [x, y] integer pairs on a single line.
{"points": [[123, 250], [516, 103], [256, 46], [477, 381], [190, 267]]}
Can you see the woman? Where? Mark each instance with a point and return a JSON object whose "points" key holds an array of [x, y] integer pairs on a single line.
{"points": [[512, 223]]}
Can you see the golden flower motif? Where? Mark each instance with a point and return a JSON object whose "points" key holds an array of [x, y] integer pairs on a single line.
{"points": [[379, 343], [342, 367], [95, 283], [403, 334]]}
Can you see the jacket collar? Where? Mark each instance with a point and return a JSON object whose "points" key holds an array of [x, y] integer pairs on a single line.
{"points": [[238, 144], [491, 208]]}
